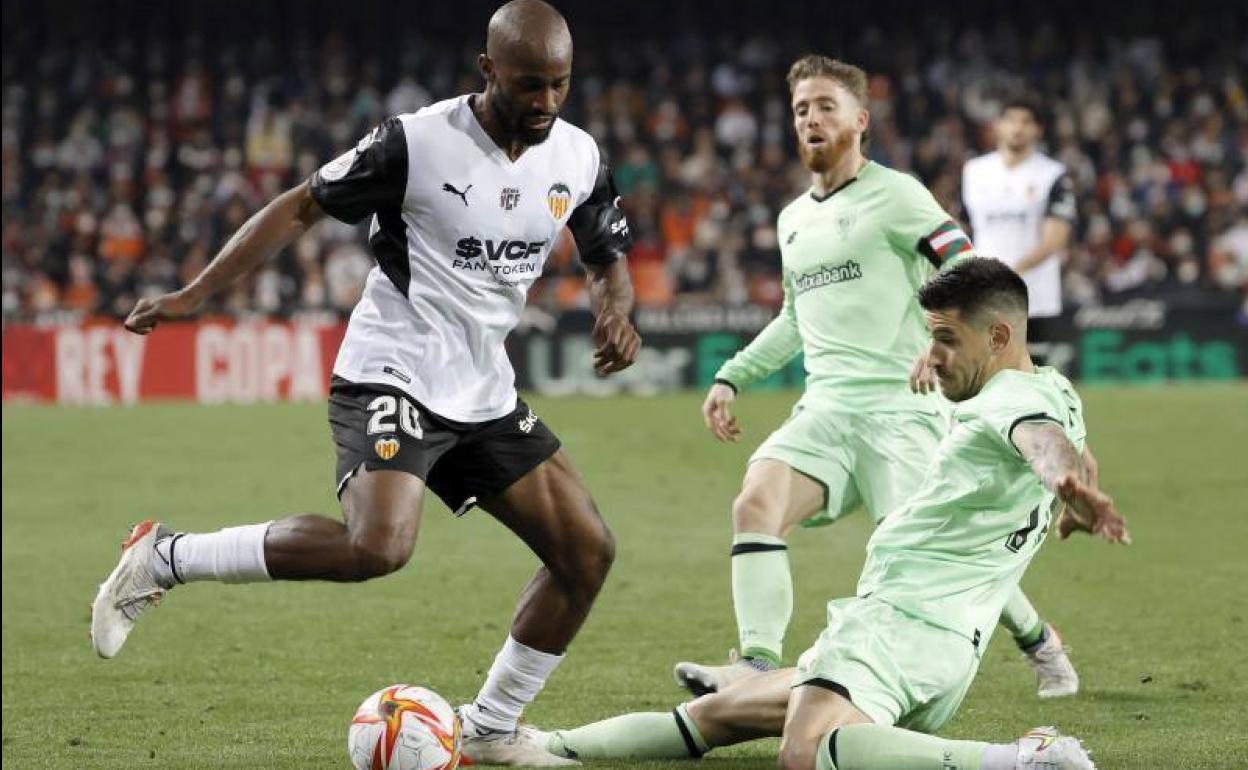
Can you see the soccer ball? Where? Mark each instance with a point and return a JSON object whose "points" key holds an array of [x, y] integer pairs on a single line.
{"points": [[403, 727]]}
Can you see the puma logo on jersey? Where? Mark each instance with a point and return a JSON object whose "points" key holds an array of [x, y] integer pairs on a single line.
{"points": [[447, 187]]}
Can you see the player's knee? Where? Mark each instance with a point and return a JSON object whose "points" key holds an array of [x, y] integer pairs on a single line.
{"points": [[752, 513], [596, 559], [606, 556], [795, 756], [378, 556], [708, 711], [583, 569]]}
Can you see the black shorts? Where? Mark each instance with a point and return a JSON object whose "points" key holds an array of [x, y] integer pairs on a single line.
{"points": [[379, 427]]}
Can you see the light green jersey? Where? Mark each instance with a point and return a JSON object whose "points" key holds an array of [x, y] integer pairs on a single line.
{"points": [[851, 264], [954, 551]]}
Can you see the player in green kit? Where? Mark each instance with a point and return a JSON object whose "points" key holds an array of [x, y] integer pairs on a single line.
{"points": [[855, 248], [897, 659]]}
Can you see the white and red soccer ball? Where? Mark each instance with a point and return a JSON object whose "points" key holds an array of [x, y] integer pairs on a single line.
{"points": [[403, 727]]}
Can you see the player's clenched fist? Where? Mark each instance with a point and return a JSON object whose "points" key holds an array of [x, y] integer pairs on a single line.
{"points": [[717, 412], [150, 311], [616, 343]]}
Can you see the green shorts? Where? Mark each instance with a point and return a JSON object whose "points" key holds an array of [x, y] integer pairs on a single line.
{"points": [[876, 459], [897, 669]]}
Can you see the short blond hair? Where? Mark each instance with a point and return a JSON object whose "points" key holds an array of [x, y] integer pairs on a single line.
{"points": [[852, 78]]}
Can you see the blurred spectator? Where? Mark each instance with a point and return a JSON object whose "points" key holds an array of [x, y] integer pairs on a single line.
{"points": [[1229, 259], [128, 161]]}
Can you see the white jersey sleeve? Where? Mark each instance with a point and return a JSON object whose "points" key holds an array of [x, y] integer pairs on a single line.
{"points": [[367, 178]]}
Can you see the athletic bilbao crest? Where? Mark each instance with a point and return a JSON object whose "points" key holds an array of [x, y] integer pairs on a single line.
{"points": [[509, 197], [558, 198], [845, 222], [386, 447]]}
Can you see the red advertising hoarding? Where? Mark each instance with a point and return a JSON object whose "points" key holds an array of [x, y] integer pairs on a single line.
{"points": [[209, 361]]}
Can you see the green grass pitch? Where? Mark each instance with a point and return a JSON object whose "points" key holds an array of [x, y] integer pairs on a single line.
{"points": [[267, 676]]}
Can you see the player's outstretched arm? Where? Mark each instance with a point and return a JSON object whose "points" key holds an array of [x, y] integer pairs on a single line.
{"points": [[1062, 470], [616, 342], [270, 230], [1092, 467]]}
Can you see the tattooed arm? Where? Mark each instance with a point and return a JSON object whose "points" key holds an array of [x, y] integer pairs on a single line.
{"points": [[1063, 471]]}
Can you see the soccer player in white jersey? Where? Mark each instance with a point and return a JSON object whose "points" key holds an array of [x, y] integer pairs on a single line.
{"points": [[466, 198], [1021, 207], [898, 657]]}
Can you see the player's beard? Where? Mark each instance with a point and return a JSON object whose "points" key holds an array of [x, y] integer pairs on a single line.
{"points": [[958, 389], [827, 155], [513, 122]]}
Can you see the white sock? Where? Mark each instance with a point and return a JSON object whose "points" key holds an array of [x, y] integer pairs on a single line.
{"points": [[515, 679], [999, 756], [232, 555]]}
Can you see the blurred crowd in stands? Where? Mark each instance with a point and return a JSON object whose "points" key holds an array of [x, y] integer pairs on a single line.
{"points": [[128, 160]]}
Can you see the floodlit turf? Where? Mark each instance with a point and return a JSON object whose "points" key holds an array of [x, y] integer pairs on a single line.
{"points": [[268, 676]]}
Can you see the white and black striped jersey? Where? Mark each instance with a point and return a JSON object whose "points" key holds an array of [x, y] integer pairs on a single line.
{"points": [[460, 232], [1006, 207]]}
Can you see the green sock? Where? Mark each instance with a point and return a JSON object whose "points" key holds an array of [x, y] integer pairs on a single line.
{"points": [[1021, 619], [762, 594], [646, 735], [878, 747]]}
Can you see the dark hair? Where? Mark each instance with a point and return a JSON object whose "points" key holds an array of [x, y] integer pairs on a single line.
{"points": [[974, 285], [1024, 102]]}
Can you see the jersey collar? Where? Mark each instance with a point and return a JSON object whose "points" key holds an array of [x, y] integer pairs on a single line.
{"points": [[492, 149], [842, 185]]}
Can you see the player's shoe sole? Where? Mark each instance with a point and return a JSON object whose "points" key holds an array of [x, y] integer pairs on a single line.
{"points": [[696, 678], [129, 591], [1044, 749], [701, 680]]}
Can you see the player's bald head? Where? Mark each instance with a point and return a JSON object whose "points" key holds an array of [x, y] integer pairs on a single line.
{"points": [[529, 31], [527, 66]]}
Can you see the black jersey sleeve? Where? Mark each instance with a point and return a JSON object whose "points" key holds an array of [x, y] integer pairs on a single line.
{"points": [[1061, 203], [368, 178], [599, 225]]}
